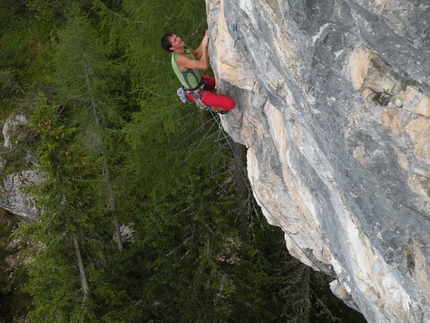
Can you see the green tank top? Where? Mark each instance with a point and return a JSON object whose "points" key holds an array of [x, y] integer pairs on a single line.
{"points": [[189, 78]]}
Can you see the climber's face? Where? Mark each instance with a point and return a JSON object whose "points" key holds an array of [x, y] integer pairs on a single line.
{"points": [[176, 41]]}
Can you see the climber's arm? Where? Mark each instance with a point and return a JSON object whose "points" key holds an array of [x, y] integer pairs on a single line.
{"points": [[203, 46], [201, 61], [184, 63]]}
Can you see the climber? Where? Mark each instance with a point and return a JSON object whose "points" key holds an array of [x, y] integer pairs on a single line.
{"points": [[188, 65]]}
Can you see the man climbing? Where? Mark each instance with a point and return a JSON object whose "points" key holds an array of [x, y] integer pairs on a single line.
{"points": [[188, 65]]}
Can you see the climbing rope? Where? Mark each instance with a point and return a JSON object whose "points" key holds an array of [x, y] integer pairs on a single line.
{"points": [[257, 197]]}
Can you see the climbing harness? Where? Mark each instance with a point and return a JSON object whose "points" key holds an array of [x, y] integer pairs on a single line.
{"points": [[182, 94], [201, 85]]}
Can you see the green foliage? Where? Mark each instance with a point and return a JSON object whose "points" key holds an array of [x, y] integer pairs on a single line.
{"points": [[68, 167], [83, 72], [54, 11], [68, 196], [25, 52]]}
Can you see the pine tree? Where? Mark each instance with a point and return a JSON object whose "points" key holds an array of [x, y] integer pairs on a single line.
{"points": [[83, 72], [65, 197], [70, 242]]}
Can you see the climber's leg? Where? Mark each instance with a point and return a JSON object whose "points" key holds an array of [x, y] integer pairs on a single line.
{"points": [[216, 100], [211, 98], [210, 83]]}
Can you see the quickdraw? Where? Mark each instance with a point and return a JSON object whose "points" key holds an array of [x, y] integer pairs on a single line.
{"points": [[198, 101]]}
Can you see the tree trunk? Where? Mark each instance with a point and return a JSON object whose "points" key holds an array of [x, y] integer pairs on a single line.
{"points": [[118, 233], [84, 281], [112, 203]]}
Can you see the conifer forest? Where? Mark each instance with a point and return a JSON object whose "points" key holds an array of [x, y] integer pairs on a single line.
{"points": [[145, 212]]}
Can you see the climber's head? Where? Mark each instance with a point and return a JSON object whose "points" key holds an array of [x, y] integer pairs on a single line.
{"points": [[171, 42], [166, 43]]}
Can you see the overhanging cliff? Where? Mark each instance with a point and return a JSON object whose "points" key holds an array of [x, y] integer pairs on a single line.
{"points": [[334, 108]]}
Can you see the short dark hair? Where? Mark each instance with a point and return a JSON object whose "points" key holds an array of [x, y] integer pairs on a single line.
{"points": [[165, 42]]}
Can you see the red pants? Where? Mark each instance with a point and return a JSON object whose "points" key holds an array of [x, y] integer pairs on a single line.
{"points": [[214, 100]]}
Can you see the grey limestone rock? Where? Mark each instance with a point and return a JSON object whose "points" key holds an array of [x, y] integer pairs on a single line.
{"points": [[12, 198], [333, 104], [10, 128]]}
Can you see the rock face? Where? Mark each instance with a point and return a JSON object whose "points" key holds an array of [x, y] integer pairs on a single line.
{"points": [[12, 198], [334, 107]]}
